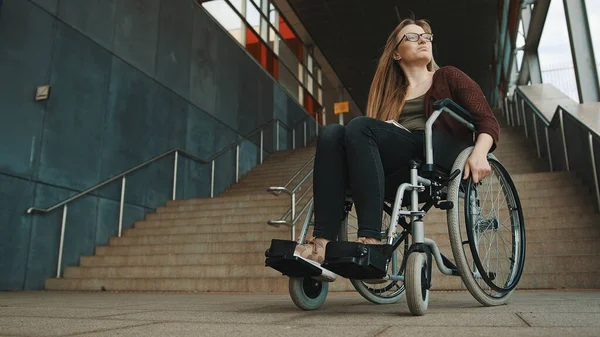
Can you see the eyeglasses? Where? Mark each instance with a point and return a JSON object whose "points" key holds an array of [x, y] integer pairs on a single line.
{"points": [[414, 37]]}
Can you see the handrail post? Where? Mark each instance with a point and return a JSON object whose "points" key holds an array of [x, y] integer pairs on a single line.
{"points": [[304, 133], [548, 148], [537, 142], [237, 163], [562, 131], [61, 242], [261, 146], [517, 112], [594, 168], [212, 179], [175, 175], [524, 118], [121, 204], [293, 216], [294, 138], [277, 135]]}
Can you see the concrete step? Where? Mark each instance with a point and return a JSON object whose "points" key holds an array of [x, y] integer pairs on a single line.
{"points": [[535, 264], [562, 247], [279, 284], [439, 235], [173, 259], [257, 185], [281, 201], [232, 199], [191, 271], [198, 229], [274, 210], [227, 211], [264, 218]]}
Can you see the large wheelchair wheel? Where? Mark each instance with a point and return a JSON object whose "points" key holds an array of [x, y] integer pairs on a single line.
{"points": [[308, 293], [487, 232], [379, 291]]}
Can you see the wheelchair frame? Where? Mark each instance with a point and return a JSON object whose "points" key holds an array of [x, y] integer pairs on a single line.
{"points": [[420, 244]]}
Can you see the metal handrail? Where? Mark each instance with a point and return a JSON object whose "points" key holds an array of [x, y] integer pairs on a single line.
{"points": [[276, 190], [176, 152], [149, 161], [556, 122]]}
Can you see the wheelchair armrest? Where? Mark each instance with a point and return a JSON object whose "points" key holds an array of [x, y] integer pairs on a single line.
{"points": [[456, 111], [448, 103]]}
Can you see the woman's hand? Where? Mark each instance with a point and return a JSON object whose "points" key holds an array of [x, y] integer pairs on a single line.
{"points": [[477, 164]]}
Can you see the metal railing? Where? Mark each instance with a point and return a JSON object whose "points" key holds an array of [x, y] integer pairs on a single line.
{"points": [[176, 153], [291, 212], [563, 140]]}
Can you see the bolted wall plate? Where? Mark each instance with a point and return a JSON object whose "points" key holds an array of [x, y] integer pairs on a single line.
{"points": [[42, 93]]}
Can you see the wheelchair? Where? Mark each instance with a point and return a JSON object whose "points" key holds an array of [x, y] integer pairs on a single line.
{"points": [[485, 226]]}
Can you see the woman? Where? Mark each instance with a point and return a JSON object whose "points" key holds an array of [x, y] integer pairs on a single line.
{"points": [[370, 156]]}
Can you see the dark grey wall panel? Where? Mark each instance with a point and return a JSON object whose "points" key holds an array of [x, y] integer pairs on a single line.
{"points": [[224, 171], [45, 236], [49, 5], [174, 45], [96, 19], [26, 35], [71, 149], [16, 195], [131, 79], [249, 157], [107, 221], [127, 126], [80, 230], [203, 67], [136, 27]]}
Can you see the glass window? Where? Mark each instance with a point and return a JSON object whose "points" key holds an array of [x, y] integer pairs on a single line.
{"points": [[554, 52], [593, 14], [274, 16], [252, 15], [289, 81], [309, 63], [309, 83], [227, 17], [274, 40], [320, 77], [237, 4], [520, 44], [320, 96]]}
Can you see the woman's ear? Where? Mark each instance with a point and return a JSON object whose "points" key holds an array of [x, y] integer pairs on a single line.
{"points": [[396, 57]]}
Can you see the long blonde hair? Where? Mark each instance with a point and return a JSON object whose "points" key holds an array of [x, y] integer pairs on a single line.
{"points": [[388, 90]]}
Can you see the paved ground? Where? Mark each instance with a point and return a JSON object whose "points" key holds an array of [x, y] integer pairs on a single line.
{"points": [[573, 313]]}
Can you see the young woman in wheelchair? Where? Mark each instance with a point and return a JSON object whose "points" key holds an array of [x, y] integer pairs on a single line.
{"points": [[370, 156]]}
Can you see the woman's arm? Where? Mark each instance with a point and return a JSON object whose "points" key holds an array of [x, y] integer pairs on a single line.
{"points": [[469, 96], [467, 93]]}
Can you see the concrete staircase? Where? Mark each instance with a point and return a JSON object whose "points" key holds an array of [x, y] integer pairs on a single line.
{"points": [[217, 245]]}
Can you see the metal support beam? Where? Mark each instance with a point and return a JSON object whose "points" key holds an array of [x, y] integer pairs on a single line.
{"points": [[536, 25], [535, 71], [582, 51]]}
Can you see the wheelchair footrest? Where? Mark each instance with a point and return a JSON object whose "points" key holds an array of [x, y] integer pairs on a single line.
{"points": [[357, 261], [280, 256]]}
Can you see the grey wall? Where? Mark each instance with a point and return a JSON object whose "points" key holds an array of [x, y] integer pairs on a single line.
{"points": [[130, 79]]}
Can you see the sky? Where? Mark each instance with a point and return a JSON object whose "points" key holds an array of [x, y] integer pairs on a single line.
{"points": [[554, 48]]}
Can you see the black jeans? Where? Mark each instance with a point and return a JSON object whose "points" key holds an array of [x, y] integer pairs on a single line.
{"points": [[370, 158]]}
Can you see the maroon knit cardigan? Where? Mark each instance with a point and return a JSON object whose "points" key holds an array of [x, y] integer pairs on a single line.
{"points": [[451, 82]]}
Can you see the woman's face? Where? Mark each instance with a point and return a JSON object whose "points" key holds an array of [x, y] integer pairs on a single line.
{"points": [[418, 51]]}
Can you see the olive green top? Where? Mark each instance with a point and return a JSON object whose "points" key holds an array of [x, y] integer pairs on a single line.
{"points": [[413, 114]]}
